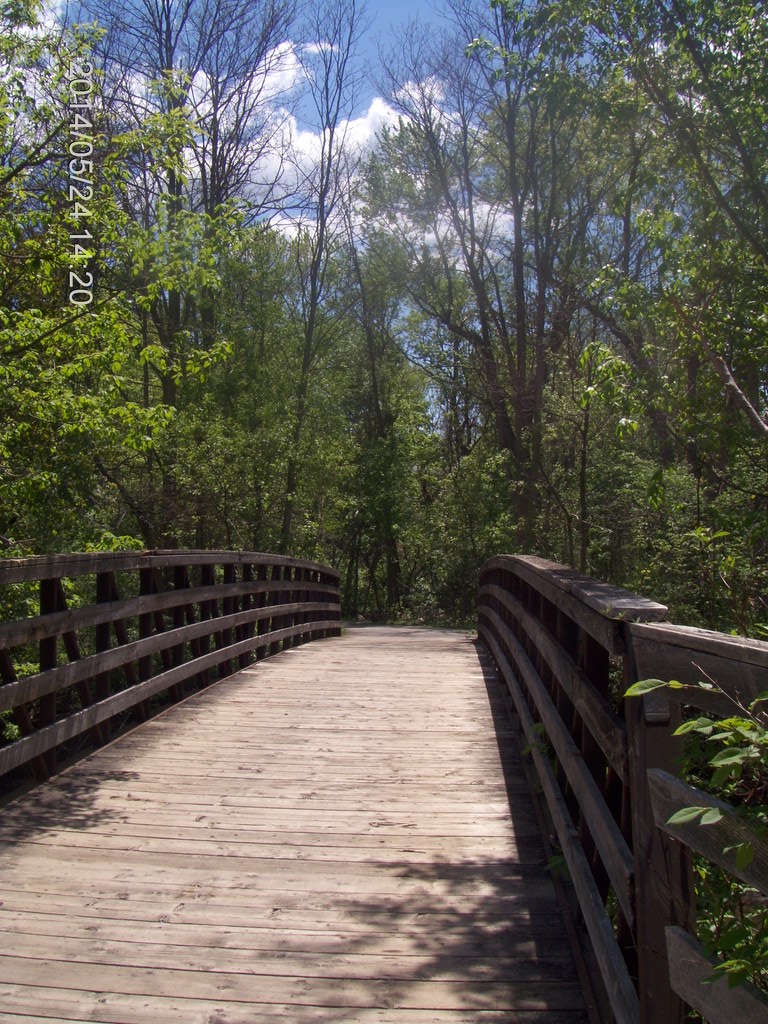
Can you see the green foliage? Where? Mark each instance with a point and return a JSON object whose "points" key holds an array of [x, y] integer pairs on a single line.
{"points": [[728, 756], [547, 328], [734, 926], [551, 259], [9, 731]]}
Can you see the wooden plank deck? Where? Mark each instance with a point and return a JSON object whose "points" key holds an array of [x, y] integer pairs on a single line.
{"points": [[327, 836]]}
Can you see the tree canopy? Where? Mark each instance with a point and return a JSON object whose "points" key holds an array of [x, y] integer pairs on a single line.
{"points": [[530, 315]]}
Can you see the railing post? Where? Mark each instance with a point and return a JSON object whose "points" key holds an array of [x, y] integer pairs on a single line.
{"points": [[207, 611], [262, 601], [300, 594], [334, 630], [49, 602], [72, 648], [275, 599], [663, 878], [146, 620], [179, 616], [291, 618], [103, 643], [110, 593], [21, 716], [246, 603], [228, 606]]}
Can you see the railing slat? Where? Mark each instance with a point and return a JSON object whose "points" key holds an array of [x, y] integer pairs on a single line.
{"points": [[604, 724], [568, 647], [54, 735], [163, 635], [566, 636], [616, 855], [715, 841], [51, 681], [613, 969], [695, 981]]}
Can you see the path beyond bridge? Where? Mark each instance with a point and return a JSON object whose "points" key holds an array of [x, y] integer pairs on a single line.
{"points": [[341, 833]]}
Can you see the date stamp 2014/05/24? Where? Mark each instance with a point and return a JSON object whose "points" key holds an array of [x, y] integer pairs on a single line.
{"points": [[81, 180]]}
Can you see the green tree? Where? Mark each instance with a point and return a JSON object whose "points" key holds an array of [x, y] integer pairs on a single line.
{"points": [[67, 399]]}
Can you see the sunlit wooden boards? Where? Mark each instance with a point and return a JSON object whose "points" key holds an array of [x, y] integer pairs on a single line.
{"points": [[342, 834]]}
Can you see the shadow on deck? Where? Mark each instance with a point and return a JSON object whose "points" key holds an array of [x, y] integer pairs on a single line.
{"points": [[344, 833]]}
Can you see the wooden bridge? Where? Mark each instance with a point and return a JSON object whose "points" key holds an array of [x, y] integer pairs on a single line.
{"points": [[347, 831]]}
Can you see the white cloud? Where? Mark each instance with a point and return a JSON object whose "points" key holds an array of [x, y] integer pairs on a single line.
{"points": [[421, 95], [296, 150], [281, 72], [47, 18], [362, 132]]}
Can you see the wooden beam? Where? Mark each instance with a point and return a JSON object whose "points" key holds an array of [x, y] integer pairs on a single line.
{"points": [[24, 570], [601, 720], [36, 628], [695, 981], [738, 666], [614, 851], [613, 970], [715, 841]]}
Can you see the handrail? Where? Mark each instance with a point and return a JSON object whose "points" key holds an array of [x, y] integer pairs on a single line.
{"points": [[174, 617], [567, 647]]}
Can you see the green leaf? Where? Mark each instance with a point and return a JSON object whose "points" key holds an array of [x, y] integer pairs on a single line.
{"points": [[745, 854], [645, 686], [736, 971], [686, 815], [705, 726], [712, 816], [722, 775], [732, 756]]}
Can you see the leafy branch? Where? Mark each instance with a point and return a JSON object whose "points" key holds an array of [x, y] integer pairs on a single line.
{"points": [[728, 755]]}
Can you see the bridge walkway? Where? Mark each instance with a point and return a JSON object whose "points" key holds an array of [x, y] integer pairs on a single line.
{"points": [[342, 833]]}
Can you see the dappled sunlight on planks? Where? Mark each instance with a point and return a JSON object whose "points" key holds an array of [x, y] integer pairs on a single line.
{"points": [[340, 834]]}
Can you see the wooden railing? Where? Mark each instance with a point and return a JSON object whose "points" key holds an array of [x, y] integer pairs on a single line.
{"points": [[567, 648], [92, 638]]}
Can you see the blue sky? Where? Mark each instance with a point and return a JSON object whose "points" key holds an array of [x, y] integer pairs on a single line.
{"points": [[386, 17], [395, 12]]}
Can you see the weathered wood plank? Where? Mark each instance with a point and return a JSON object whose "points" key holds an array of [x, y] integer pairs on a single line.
{"points": [[491, 949], [610, 601], [52, 736], [738, 666], [511, 927], [597, 607], [604, 724], [21, 570], [321, 837], [694, 980], [715, 841], [177, 951], [256, 988], [129, 1009], [614, 851]]}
